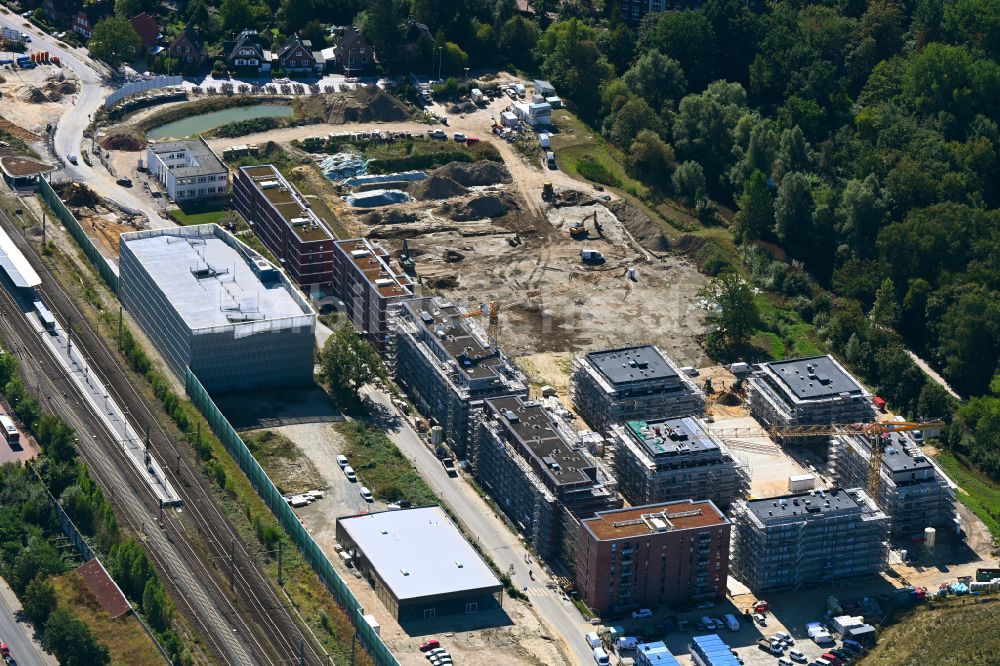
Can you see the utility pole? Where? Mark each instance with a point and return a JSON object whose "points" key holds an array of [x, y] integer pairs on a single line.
{"points": [[119, 329], [43, 228], [69, 337], [281, 553]]}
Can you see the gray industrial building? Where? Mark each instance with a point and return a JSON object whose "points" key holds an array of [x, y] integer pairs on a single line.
{"points": [[447, 367], [807, 391], [419, 563], [670, 460], [540, 475], [913, 491], [210, 303], [631, 384], [807, 538]]}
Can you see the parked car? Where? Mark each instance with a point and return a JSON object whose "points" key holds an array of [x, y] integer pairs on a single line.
{"points": [[760, 619], [641, 613], [366, 494], [764, 644], [796, 655], [449, 465], [434, 652], [785, 637], [342, 461], [349, 473], [404, 504], [459, 137], [784, 661], [429, 644], [124, 182], [437, 133], [471, 141], [71, 158]]}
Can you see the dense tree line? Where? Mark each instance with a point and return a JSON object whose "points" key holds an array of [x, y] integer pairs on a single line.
{"points": [[861, 138], [28, 558]]}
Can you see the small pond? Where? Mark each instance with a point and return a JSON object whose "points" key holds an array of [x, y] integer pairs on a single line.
{"points": [[206, 121]]}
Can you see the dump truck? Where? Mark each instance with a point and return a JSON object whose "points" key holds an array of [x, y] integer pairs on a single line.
{"points": [[547, 192]]}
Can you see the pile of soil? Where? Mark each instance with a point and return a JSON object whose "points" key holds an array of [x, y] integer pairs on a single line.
{"points": [[479, 208], [575, 198], [441, 281], [67, 88], [645, 232], [32, 95], [729, 399], [390, 216], [124, 139], [453, 256], [436, 187], [474, 174], [363, 105], [463, 107], [77, 195]]}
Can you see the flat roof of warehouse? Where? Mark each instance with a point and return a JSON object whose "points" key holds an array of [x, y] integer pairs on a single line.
{"points": [[208, 281], [419, 553]]}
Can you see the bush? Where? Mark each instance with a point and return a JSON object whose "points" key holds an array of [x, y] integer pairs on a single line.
{"points": [[596, 172]]}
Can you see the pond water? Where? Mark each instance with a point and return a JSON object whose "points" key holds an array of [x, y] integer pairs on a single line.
{"points": [[206, 121]]}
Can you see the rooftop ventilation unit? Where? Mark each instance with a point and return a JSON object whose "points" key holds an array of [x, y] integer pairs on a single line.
{"points": [[511, 416], [269, 185], [360, 254], [384, 282], [299, 221]]}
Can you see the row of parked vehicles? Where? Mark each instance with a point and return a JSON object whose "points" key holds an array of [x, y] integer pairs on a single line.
{"points": [[436, 655], [781, 641]]}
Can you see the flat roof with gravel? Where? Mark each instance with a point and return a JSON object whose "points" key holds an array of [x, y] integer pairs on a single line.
{"points": [[632, 364], [814, 378], [419, 553]]}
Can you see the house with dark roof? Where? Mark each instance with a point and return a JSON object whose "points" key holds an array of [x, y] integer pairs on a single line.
{"points": [[247, 53], [413, 33], [295, 55], [188, 49], [352, 52], [147, 28], [89, 16]]}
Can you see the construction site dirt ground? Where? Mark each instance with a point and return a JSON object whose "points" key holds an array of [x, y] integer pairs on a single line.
{"points": [[658, 307], [33, 98], [513, 635]]}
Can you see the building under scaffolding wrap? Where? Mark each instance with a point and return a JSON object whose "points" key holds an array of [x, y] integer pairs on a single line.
{"points": [[808, 538], [635, 383], [447, 367], [542, 478], [913, 491], [676, 459], [807, 391]]}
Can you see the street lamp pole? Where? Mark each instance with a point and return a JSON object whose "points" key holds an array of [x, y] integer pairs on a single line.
{"points": [[440, 59]]}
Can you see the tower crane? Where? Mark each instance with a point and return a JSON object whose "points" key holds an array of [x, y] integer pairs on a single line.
{"points": [[876, 433]]}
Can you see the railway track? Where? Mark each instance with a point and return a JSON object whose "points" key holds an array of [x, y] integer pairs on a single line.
{"points": [[197, 546]]}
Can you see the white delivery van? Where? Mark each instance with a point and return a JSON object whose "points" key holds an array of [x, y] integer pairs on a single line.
{"points": [[601, 657]]}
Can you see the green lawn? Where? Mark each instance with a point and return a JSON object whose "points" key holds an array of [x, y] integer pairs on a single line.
{"points": [[199, 216], [584, 154], [976, 491], [388, 473]]}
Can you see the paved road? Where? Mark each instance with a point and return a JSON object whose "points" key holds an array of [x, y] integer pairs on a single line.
{"points": [[503, 545], [68, 139], [17, 636]]}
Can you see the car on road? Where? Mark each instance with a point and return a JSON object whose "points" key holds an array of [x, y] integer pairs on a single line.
{"points": [[459, 137], [124, 182], [437, 133], [342, 461], [366, 494], [796, 655], [71, 158], [349, 473], [641, 613], [430, 644], [449, 465]]}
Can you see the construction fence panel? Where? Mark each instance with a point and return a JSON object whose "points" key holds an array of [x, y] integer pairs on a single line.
{"points": [[267, 491], [76, 230]]}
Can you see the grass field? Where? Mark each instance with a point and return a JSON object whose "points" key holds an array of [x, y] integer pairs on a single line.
{"points": [[199, 216], [956, 632], [389, 474], [286, 465], [127, 641], [977, 492], [584, 153]]}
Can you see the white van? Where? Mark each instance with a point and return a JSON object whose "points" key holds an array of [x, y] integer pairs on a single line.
{"points": [[732, 622], [601, 657], [342, 461], [593, 640]]}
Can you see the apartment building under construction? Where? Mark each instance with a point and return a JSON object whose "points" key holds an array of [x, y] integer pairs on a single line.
{"points": [[913, 491], [668, 460], [807, 538], [634, 383], [807, 391], [539, 474], [447, 367]]}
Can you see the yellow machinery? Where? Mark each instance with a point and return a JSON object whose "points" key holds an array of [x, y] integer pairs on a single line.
{"points": [[579, 229], [876, 432]]}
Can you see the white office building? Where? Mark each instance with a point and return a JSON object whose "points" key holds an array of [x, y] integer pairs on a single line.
{"points": [[188, 170]]}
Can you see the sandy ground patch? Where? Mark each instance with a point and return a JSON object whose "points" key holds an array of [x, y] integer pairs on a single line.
{"points": [[34, 115]]}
